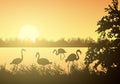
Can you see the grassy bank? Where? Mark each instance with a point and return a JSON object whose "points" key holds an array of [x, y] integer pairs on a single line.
{"points": [[35, 75]]}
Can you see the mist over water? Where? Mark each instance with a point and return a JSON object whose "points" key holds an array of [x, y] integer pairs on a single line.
{"points": [[29, 58]]}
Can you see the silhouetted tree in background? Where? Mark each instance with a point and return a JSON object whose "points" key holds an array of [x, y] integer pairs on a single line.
{"points": [[2, 42], [106, 52], [74, 42]]}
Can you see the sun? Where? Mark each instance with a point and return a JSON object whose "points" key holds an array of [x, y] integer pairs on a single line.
{"points": [[28, 32]]}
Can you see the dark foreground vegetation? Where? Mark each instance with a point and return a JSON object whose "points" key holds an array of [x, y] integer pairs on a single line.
{"points": [[34, 75]]}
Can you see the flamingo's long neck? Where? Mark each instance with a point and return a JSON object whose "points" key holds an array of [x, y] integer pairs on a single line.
{"points": [[56, 52], [38, 57], [77, 56]]}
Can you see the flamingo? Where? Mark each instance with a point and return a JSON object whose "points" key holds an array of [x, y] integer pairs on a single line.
{"points": [[72, 57], [42, 61], [17, 61], [60, 52]]}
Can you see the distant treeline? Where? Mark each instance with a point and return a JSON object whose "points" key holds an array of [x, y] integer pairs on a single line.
{"points": [[74, 42]]}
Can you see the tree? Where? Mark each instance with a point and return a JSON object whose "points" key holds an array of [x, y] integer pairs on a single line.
{"points": [[106, 51]]}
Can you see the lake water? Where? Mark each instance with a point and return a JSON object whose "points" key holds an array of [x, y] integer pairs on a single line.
{"points": [[8, 54]]}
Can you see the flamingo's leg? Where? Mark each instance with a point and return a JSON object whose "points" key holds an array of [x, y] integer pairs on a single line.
{"points": [[43, 68], [60, 57], [63, 55], [68, 68]]}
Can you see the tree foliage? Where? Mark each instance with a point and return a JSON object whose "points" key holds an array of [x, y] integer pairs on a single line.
{"points": [[107, 49]]}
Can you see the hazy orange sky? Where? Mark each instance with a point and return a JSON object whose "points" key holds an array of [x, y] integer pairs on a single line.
{"points": [[54, 19]]}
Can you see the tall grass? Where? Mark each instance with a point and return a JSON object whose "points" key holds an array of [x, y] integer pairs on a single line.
{"points": [[48, 75]]}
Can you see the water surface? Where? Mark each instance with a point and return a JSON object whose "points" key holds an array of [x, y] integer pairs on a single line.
{"points": [[29, 58]]}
